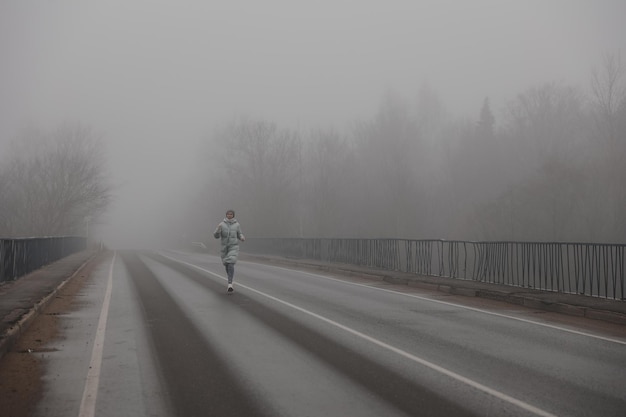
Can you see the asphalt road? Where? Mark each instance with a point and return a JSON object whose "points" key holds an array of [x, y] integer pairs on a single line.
{"points": [[158, 335]]}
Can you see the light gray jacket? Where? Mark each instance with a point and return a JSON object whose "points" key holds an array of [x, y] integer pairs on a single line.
{"points": [[230, 233]]}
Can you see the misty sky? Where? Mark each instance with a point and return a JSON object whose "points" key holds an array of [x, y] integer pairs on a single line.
{"points": [[155, 76]]}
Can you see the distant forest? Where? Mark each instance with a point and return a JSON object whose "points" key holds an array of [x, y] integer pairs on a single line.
{"points": [[549, 167]]}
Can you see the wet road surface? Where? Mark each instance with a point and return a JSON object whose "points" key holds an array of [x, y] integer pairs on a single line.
{"points": [[156, 334]]}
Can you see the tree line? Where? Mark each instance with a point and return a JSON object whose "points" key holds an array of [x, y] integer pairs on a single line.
{"points": [[549, 167]]}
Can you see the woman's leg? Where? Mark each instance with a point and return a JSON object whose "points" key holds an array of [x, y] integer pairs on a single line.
{"points": [[230, 272]]}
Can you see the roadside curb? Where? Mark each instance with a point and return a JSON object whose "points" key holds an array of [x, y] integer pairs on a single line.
{"points": [[568, 304], [526, 299]]}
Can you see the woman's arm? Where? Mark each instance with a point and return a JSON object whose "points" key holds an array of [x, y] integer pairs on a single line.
{"points": [[218, 231]]}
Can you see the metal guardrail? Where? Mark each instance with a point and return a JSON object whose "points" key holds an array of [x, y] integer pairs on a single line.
{"points": [[575, 268], [18, 257]]}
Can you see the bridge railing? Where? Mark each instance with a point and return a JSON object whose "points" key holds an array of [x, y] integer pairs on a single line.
{"points": [[575, 268], [20, 256]]}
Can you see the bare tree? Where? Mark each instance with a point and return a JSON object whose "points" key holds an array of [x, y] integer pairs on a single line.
{"points": [[545, 120], [434, 206], [54, 183], [608, 87], [544, 135], [327, 162], [257, 167], [389, 147]]}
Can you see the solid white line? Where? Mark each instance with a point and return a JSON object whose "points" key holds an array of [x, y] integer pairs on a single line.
{"points": [[90, 394], [478, 310], [521, 404]]}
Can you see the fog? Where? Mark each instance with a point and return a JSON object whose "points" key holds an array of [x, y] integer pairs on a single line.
{"points": [[157, 78]]}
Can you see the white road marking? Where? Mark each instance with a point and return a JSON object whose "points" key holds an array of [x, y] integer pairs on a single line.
{"points": [[504, 397], [90, 394], [478, 310]]}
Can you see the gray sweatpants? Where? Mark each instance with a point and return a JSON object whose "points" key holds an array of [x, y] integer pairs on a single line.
{"points": [[230, 272]]}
